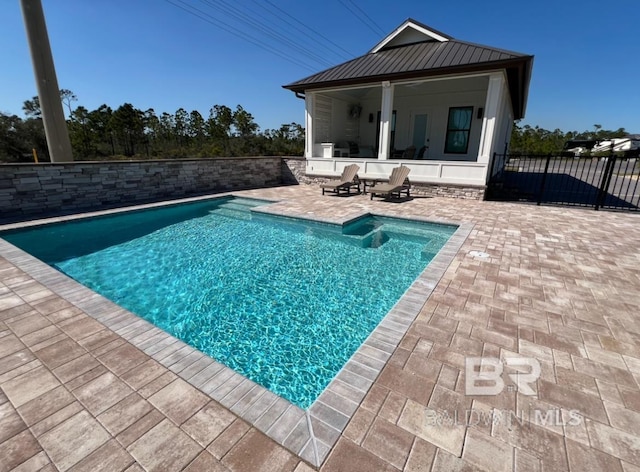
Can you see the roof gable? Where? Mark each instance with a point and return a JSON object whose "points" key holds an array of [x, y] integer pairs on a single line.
{"points": [[409, 32]]}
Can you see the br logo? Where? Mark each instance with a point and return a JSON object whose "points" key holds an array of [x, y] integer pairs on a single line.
{"points": [[483, 375]]}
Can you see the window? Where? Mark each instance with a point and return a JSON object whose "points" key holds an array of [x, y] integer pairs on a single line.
{"points": [[458, 128]]}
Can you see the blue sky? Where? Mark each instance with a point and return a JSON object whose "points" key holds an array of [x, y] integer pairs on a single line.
{"points": [[154, 54]]}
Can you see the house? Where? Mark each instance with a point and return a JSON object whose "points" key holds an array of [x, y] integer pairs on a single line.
{"points": [[436, 104]]}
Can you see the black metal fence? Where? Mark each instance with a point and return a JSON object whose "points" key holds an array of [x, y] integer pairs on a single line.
{"points": [[610, 182]]}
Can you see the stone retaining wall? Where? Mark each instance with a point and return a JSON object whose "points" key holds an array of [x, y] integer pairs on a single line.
{"points": [[293, 170], [34, 190], [53, 188]]}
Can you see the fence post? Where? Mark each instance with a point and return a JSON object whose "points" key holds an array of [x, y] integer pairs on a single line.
{"points": [[493, 166], [606, 180], [491, 178], [544, 179]]}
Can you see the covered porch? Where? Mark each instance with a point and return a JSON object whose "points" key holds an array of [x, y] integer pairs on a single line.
{"points": [[438, 105], [444, 129]]}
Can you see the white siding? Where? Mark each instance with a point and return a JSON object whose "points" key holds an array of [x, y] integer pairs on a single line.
{"points": [[322, 118]]}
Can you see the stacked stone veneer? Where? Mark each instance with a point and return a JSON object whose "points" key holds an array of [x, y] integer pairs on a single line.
{"points": [[53, 188], [424, 189], [451, 191], [294, 170]]}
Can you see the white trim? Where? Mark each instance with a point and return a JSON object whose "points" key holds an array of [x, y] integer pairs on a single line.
{"points": [[308, 123], [407, 81], [492, 110], [422, 171], [386, 112], [404, 26], [446, 77], [346, 88]]}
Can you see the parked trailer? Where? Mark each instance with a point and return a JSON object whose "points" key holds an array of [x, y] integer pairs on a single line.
{"points": [[577, 147], [629, 146]]}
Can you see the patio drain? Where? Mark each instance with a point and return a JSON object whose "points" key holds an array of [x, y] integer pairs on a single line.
{"points": [[479, 254]]}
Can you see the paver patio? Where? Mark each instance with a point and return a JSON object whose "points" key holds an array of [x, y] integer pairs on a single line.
{"points": [[561, 286]]}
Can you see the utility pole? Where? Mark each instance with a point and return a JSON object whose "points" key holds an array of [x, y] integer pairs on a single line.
{"points": [[55, 126]]}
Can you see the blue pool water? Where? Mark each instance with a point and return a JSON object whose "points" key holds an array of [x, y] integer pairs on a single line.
{"points": [[284, 302]]}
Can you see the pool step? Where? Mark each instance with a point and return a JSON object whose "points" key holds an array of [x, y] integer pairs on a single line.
{"points": [[372, 239], [236, 215], [237, 208], [246, 202], [380, 235], [232, 212], [242, 203], [409, 230]]}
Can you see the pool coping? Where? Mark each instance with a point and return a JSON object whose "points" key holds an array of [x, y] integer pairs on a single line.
{"points": [[311, 433]]}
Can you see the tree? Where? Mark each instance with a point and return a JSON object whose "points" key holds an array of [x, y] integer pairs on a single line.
{"points": [[245, 131], [82, 135], [31, 108], [128, 127], [219, 126], [180, 126], [196, 126], [100, 122], [67, 96], [13, 146], [167, 125], [243, 123], [103, 132], [153, 132], [286, 141], [18, 139]]}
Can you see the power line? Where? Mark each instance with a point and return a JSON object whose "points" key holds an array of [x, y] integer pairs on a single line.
{"points": [[347, 54], [265, 29], [361, 15], [229, 29], [376, 25]]}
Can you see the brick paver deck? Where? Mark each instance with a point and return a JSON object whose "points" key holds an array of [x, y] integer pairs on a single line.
{"points": [[562, 286]]}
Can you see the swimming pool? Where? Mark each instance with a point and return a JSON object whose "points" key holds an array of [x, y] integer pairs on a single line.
{"points": [[284, 302]]}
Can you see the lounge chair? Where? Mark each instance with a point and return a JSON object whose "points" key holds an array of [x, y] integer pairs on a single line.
{"points": [[398, 184], [347, 181], [354, 149], [409, 152]]}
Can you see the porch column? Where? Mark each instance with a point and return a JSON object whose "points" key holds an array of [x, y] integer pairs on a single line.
{"points": [[492, 107], [386, 111], [308, 125]]}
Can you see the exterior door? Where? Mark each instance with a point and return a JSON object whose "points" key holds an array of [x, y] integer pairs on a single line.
{"points": [[420, 132]]}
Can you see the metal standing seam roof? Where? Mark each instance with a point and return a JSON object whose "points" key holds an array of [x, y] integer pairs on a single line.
{"points": [[426, 59]]}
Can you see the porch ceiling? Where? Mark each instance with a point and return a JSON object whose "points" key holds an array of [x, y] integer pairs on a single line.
{"points": [[431, 86]]}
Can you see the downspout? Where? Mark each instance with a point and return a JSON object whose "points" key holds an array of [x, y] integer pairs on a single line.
{"points": [[300, 95]]}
